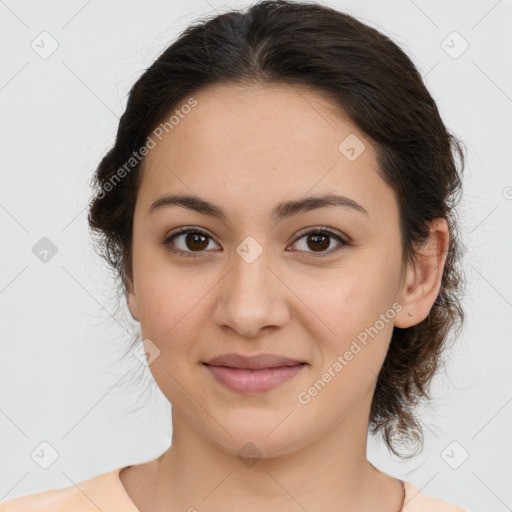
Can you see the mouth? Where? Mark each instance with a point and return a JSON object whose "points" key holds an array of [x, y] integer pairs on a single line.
{"points": [[253, 374]]}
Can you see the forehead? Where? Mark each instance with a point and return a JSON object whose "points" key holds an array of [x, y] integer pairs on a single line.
{"points": [[263, 144]]}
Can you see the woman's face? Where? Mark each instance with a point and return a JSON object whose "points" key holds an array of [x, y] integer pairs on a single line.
{"points": [[259, 283]]}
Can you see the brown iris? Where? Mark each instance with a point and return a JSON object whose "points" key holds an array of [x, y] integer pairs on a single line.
{"points": [[317, 243], [197, 241]]}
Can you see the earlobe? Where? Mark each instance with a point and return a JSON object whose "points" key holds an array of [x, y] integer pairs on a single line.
{"points": [[405, 317], [422, 283]]}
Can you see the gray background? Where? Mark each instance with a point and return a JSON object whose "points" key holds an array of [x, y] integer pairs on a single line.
{"points": [[62, 379]]}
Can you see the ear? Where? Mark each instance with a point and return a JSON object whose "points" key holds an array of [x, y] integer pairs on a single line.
{"points": [[422, 282], [132, 298]]}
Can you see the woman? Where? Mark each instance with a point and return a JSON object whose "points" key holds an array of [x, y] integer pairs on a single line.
{"points": [[279, 208]]}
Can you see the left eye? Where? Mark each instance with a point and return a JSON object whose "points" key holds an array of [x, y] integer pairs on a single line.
{"points": [[319, 240], [196, 240]]}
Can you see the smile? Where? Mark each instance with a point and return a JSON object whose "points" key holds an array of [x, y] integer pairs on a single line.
{"points": [[244, 380]]}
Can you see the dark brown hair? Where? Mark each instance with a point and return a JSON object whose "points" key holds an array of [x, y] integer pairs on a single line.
{"points": [[376, 84]]}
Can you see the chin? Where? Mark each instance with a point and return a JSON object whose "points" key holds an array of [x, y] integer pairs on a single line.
{"points": [[261, 439]]}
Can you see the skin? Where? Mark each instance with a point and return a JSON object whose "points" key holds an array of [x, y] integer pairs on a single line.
{"points": [[247, 149]]}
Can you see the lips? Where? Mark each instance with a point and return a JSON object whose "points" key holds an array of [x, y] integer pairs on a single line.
{"points": [[253, 374], [257, 362]]}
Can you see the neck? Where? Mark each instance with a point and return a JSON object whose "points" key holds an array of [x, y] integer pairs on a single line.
{"points": [[330, 473]]}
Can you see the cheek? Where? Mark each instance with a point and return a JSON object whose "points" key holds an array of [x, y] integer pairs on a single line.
{"points": [[172, 306], [160, 290], [352, 312], [342, 300]]}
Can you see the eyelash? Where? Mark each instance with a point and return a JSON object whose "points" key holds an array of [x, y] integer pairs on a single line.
{"points": [[317, 231]]}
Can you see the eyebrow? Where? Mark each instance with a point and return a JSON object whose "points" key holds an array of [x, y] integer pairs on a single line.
{"points": [[280, 212]]}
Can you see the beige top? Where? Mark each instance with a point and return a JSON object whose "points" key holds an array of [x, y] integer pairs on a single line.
{"points": [[106, 492]]}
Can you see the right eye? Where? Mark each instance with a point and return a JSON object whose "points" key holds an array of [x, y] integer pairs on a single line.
{"points": [[194, 239]]}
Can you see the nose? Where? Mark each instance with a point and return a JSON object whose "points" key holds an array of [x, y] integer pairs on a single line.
{"points": [[252, 297]]}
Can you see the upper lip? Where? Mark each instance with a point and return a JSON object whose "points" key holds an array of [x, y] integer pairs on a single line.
{"points": [[256, 362]]}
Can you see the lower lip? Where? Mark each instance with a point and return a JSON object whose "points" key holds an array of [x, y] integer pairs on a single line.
{"points": [[253, 381]]}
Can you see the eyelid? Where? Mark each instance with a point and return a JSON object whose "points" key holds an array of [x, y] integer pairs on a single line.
{"points": [[315, 228]]}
